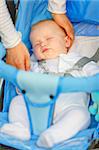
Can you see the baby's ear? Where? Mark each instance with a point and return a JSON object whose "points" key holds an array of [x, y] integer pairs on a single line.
{"points": [[68, 41]]}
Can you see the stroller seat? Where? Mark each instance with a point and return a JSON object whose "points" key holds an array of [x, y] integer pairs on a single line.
{"points": [[26, 81]]}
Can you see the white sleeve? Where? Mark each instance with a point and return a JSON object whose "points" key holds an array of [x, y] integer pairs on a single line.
{"points": [[9, 36], [57, 6]]}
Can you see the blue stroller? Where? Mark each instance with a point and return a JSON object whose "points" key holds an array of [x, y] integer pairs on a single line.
{"points": [[26, 82]]}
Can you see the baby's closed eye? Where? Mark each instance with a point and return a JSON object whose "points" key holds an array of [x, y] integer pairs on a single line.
{"points": [[36, 44], [49, 38]]}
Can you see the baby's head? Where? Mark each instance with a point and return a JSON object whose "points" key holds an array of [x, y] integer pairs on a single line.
{"points": [[48, 40]]}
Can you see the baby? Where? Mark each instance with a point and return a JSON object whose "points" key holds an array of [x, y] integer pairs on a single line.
{"points": [[50, 45], [71, 115]]}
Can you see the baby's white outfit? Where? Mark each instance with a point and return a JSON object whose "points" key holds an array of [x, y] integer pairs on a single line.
{"points": [[71, 110]]}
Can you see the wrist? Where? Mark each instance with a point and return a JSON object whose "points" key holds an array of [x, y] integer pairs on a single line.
{"points": [[15, 47], [61, 19], [54, 15]]}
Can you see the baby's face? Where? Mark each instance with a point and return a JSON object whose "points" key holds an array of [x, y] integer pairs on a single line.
{"points": [[48, 40]]}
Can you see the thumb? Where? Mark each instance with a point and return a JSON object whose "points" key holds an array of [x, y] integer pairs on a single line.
{"points": [[70, 33], [67, 41]]}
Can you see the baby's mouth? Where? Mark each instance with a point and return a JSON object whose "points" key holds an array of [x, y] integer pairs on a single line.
{"points": [[44, 50]]}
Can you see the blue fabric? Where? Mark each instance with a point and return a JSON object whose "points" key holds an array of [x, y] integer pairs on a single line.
{"points": [[38, 12], [86, 29], [37, 96], [8, 95], [2, 51], [83, 11]]}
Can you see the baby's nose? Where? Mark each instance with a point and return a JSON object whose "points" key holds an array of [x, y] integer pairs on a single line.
{"points": [[44, 43]]}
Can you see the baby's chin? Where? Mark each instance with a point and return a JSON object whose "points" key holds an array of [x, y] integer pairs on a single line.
{"points": [[47, 58], [56, 55], [51, 56]]}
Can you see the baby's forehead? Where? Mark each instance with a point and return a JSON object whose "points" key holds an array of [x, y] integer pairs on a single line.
{"points": [[45, 25], [47, 28]]}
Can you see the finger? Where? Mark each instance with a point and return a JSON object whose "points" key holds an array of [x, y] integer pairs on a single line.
{"points": [[71, 40], [70, 33], [27, 63], [71, 36]]}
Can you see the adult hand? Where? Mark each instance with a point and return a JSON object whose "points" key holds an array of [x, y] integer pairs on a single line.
{"points": [[63, 21], [19, 57]]}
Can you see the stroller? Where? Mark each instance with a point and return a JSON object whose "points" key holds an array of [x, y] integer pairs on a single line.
{"points": [[53, 85]]}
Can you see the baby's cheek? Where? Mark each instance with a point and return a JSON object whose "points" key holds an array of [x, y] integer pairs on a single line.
{"points": [[38, 54]]}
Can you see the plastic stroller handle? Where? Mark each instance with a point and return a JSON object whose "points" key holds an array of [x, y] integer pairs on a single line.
{"points": [[83, 84], [66, 84], [8, 72]]}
